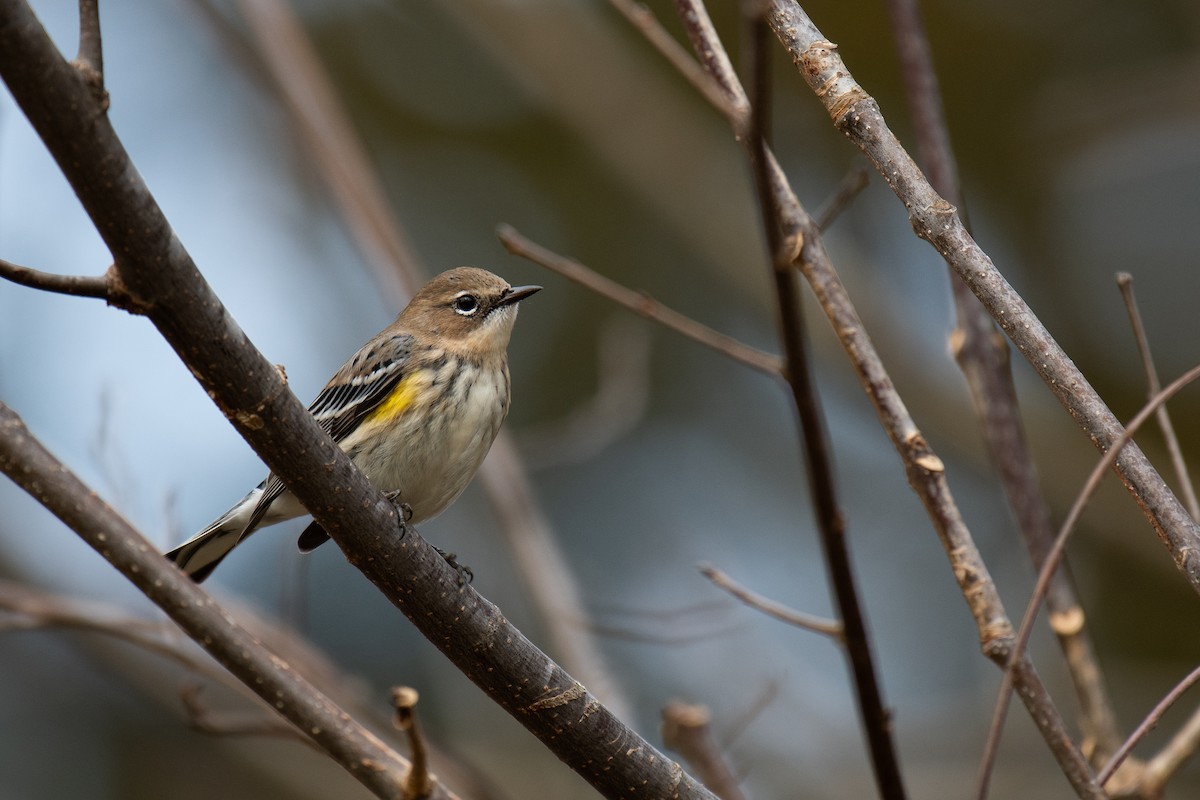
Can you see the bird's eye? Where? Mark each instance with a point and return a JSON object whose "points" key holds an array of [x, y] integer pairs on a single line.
{"points": [[466, 304]]}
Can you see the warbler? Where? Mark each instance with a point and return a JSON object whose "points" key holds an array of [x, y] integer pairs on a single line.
{"points": [[416, 409]]}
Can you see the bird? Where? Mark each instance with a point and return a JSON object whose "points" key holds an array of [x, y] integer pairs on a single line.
{"points": [[416, 408]]}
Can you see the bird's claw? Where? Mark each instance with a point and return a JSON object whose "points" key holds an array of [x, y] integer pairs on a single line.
{"points": [[403, 509], [465, 575]]}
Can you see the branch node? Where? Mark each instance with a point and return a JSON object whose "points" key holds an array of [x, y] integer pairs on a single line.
{"points": [[117, 294], [686, 729], [1069, 622], [89, 61], [419, 783]]}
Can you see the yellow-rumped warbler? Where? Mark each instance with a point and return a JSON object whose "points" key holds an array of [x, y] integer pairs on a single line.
{"points": [[417, 409]]}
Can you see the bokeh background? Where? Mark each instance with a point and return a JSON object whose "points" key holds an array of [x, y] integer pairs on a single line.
{"points": [[1077, 127]]}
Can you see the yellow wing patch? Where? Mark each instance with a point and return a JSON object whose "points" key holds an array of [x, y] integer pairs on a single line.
{"points": [[398, 400]]}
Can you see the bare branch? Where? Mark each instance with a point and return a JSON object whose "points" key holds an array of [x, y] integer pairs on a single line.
{"points": [[814, 439], [76, 285], [90, 58], [1052, 562], [1148, 724], [292, 62], [420, 782], [644, 20], [714, 58], [36, 471], [668, 627], [983, 356], [857, 115], [1171, 758], [639, 303], [827, 627], [750, 124], [27, 608], [673, 638], [926, 476], [686, 730], [1125, 284], [742, 722]]}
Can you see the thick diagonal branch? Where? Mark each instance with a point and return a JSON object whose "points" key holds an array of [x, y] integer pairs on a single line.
{"points": [[160, 275]]}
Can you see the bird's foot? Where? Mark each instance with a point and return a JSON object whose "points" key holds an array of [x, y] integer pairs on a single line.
{"points": [[465, 575], [403, 509]]}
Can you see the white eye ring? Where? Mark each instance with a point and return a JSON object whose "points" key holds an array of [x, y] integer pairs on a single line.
{"points": [[465, 303]]}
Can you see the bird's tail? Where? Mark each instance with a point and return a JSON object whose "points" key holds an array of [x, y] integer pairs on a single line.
{"points": [[201, 554]]}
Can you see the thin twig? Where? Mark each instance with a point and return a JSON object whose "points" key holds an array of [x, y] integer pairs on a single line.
{"points": [[668, 626], [77, 285], [639, 303], [983, 356], [644, 20], [89, 59], [687, 730], [714, 58], [1148, 724], [1051, 565], [810, 622], [1125, 284], [1171, 758], [851, 186], [27, 608], [673, 616], [23, 607], [419, 783]]}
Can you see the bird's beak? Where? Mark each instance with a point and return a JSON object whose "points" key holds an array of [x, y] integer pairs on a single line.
{"points": [[518, 293]]}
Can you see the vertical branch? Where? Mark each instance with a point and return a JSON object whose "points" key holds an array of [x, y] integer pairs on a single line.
{"points": [[90, 57], [831, 523], [752, 132], [982, 354]]}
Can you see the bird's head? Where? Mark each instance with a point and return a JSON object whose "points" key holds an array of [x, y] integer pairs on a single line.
{"points": [[468, 308]]}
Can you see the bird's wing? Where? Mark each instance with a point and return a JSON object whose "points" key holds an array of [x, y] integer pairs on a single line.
{"points": [[362, 383], [353, 392]]}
